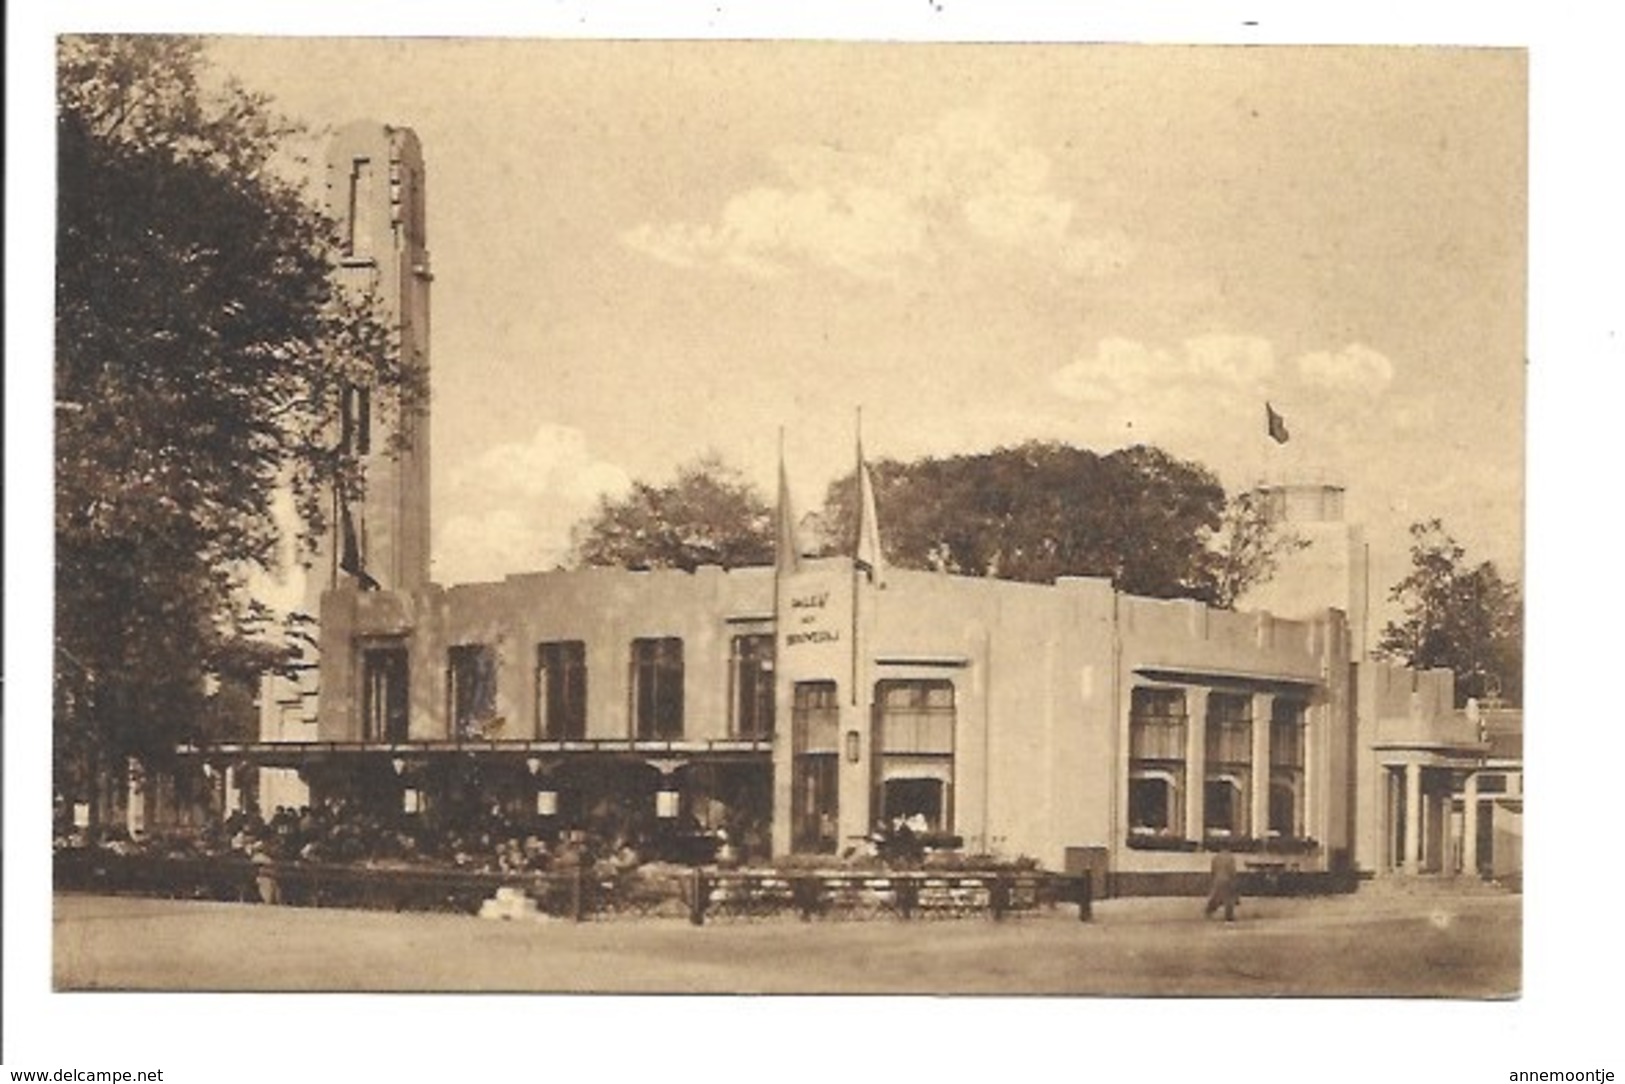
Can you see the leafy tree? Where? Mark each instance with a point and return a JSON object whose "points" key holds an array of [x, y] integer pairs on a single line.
{"points": [[1155, 524], [1462, 617], [201, 353], [1249, 547], [708, 514]]}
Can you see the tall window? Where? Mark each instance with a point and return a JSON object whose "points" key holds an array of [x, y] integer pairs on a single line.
{"points": [[815, 720], [657, 688], [358, 239], [1156, 792], [1287, 755], [1229, 741], [915, 739], [750, 668], [561, 690], [471, 689], [384, 693], [355, 417], [815, 717]]}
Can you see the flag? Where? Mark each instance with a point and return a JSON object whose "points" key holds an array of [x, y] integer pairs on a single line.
{"points": [[1276, 425], [787, 549], [868, 556], [350, 551]]}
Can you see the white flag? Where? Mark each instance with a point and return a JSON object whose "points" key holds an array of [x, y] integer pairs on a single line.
{"points": [[868, 556]]}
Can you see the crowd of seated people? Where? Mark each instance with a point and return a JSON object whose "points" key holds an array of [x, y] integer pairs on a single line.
{"points": [[491, 840]]}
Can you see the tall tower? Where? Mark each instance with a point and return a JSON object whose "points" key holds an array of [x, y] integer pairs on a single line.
{"points": [[374, 191], [1331, 572], [375, 194]]}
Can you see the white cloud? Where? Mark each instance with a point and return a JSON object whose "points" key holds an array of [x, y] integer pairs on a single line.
{"points": [[1118, 367], [1232, 359], [1353, 368], [961, 186], [1201, 399], [511, 509], [1121, 368]]}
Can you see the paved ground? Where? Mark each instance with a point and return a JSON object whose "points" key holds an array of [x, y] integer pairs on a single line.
{"points": [[1437, 945]]}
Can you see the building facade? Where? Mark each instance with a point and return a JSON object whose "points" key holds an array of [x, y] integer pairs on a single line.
{"points": [[797, 707]]}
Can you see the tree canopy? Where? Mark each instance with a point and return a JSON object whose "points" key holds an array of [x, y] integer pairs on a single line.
{"points": [[1463, 617], [707, 515], [1154, 524], [201, 349]]}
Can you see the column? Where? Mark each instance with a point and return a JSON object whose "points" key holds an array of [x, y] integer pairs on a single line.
{"points": [[857, 771], [135, 798], [1469, 826], [1263, 708], [1195, 761], [219, 796], [1412, 859]]}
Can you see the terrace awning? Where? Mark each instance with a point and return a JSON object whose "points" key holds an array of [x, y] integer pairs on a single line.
{"points": [[294, 754]]}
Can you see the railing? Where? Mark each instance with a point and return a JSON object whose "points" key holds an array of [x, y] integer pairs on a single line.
{"points": [[879, 893], [582, 894]]}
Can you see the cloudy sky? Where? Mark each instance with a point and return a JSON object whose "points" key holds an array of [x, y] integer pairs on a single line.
{"points": [[647, 250]]}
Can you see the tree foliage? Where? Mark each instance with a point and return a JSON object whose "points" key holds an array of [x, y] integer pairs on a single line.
{"points": [[1154, 524], [707, 515], [1248, 549], [1461, 617], [201, 350]]}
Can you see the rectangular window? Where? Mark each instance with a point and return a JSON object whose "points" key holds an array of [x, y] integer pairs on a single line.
{"points": [[359, 221], [1224, 806], [1227, 797], [751, 676], [385, 700], [1157, 724], [471, 689], [1156, 794], [561, 690], [1286, 733], [815, 717], [1229, 728], [1153, 807], [916, 716], [815, 726], [1287, 756], [355, 419], [914, 737], [815, 803], [657, 689]]}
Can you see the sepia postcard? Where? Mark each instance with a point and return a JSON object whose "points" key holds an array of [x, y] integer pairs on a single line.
{"points": [[788, 517]]}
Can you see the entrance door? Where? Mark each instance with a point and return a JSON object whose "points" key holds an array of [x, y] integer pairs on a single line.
{"points": [[384, 692], [815, 804]]}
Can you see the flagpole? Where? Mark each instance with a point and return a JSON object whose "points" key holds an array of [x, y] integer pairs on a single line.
{"points": [[857, 543], [778, 544], [335, 540]]}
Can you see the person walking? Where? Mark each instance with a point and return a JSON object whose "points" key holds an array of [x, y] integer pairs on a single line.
{"points": [[1223, 885]]}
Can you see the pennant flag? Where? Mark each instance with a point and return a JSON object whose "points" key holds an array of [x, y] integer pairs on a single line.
{"points": [[787, 549], [868, 557], [1276, 425], [350, 552]]}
